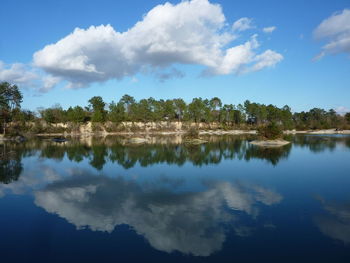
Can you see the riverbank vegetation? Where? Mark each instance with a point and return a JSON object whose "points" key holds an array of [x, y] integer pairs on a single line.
{"points": [[107, 116]]}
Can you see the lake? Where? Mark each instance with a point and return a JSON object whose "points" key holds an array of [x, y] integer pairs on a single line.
{"points": [[106, 200]]}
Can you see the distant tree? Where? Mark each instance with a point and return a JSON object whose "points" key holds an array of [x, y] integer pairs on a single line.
{"points": [[76, 114], [215, 105], [22, 115], [10, 99], [271, 131], [180, 108], [116, 112], [98, 109], [196, 109], [127, 101], [169, 110], [55, 114], [347, 117]]}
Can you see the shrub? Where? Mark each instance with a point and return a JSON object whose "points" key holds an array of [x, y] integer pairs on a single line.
{"points": [[192, 133], [271, 131], [97, 127]]}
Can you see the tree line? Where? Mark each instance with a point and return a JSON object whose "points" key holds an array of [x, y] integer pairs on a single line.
{"points": [[127, 108], [114, 150]]}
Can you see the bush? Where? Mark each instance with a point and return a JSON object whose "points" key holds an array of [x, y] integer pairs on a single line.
{"points": [[192, 133], [271, 131], [97, 127]]}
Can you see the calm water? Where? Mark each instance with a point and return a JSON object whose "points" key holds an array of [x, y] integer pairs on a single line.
{"points": [[100, 200]]}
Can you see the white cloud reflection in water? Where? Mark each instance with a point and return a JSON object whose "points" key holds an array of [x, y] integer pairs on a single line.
{"points": [[336, 223], [171, 220]]}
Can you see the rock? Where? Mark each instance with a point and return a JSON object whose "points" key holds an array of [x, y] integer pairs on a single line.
{"points": [[137, 140], [20, 138], [58, 139], [270, 143]]}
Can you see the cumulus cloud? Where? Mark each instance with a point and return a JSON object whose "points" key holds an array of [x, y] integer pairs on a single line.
{"points": [[191, 32], [26, 76], [336, 30], [267, 59], [189, 222], [243, 24], [269, 29], [16, 73]]}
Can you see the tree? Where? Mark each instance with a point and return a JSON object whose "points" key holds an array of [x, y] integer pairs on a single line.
{"points": [[196, 109], [116, 112], [10, 99], [215, 105], [271, 131], [127, 101], [55, 114], [98, 109], [169, 110], [347, 117], [180, 108], [76, 114]]}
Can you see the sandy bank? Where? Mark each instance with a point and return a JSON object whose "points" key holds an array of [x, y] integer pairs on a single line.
{"points": [[182, 132], [270, 143], [326, 131]]}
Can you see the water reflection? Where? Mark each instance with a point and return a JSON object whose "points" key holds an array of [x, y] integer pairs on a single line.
{"points": [[170, 150], [336, 222], [189, 210], [99, 151], [191, 222], [321, 143], [10, 164]]}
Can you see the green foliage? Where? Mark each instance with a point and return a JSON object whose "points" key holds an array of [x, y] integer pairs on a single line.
{"points": [[55, 114], [250, 115], [197, 110], [116, 112], [98, 109], [347, 117], [192, 133], [76, 114], [23, 116], [271, 131], [10, 99]]}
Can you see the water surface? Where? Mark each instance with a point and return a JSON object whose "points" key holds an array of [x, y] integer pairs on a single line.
{"points": [[104, 200]]}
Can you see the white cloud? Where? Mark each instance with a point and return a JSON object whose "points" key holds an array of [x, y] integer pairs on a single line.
{"points": [[26, 76], [336, 30], [243, 24], [191, 32], [17, 73], [342, 110], [269, 29], [267, 59]]}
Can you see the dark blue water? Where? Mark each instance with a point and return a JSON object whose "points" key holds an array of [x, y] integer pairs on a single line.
{"points": [[104, 200]]}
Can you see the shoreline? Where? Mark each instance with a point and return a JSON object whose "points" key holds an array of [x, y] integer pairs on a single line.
{"points": [[178, 132], [201, 132]]}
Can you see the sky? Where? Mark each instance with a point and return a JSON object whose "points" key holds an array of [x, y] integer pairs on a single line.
{"points": [[272, 52]]}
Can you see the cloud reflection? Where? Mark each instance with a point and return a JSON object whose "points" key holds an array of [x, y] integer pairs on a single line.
{"points": [[189, 222], [335, 224]]}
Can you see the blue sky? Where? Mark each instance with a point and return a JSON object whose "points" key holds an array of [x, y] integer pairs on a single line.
{"points": [[292, 78]]}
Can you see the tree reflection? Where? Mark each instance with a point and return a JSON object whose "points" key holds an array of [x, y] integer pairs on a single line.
{"points": [[321, 143], [99, 151], [10, 164], [271, 154]]}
